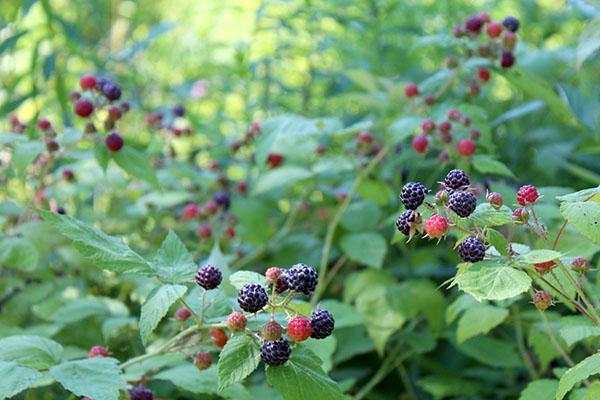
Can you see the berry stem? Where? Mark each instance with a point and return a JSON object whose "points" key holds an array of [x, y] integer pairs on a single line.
{"points": [[558, 236], [580, 292], [336, 220], [554, 341], [533, 373]]}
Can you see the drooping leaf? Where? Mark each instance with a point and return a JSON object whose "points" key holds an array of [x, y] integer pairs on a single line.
{"points": [[539, 256], [478, 320], [585, 217], [30, 351], [136, 163], [98, 378], [15, 378], [173, 262], [489, 281], [280, 177], [156, 306], [367, 248], [487, 215], [238, 359]]}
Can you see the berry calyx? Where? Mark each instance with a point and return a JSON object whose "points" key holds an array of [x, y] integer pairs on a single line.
{"points": [[275, 352], [413, 195], [114, 142], [471, 249], [302, 278], [87, 82], [299, 329], [191, 211], [182, 314], [203, 360], [252, 297], [580, 265], [495, 199], [219, 337], [84, 108], [322, 323], [208, 277], [511, 23], [463, 203], [272, 330], [236, 322], [527, 194], [466, 147], [420, 143], [274, 160], [457, 179], [494, 29], [436, 226], [411, 90], [542, 300], [98, 351], [544, 267], [141, 393], [520, 215]]}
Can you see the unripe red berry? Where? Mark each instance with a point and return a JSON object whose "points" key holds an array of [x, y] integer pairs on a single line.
{"points": [[272, 330], [445, 126], [436, 226], [191, 211], [299, 329], [274, 160], [509, 40], [474, 89], [451, 62], [484, 74], [87, 82], [454, 114], [508, 59], [52, 145], [44, 124], [98, 351], [580, 265], [411, 90], [542, 300], [125, 106], [115, 113], [114, 142], [494, 29], [242, 186], [230, 232], [527, 194], [68, 175], [445, 137], [443, 156], [484, 17], [183, 314], [14, 120], [235, 146], [203, 360], [321, 149], [466, 147], [419, 143], [520, 215], [474, 134], [459, 31], [219, 337], [474, 24], [255, 126], [204, 231], [84, 108], [495, 199], [89, 128], [154, 118], [364, 137], [236, 322], [544, 267], [210, 208], [428, 125]]}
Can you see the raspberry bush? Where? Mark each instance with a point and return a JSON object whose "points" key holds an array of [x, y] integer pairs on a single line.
{"points": [[299, 200]]}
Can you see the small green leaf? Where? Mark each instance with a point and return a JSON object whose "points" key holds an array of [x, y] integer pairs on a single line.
{"points": [[102, 155], [173, 262], [367, 248], [491, 351], [540, 389], [190, 378], [136, 164], [487, 215], [586, 368], [585, 217], [478, 320], [486, 281], [18, 253], [302, 378], [240, 278], [98, 378], [361, 216], [238, 359], [156, 306], [487, 165], [15, 378], [589, 41], [30, 351], [404, 127]]}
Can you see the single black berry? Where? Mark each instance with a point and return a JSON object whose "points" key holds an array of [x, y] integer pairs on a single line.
{"points": [[463, 203], [406, 220], [252, 298], [275, 352], [141, 393], [471, 249], [209, 277], [456, 178], [178, 110], [413, 195], [111, 91], [322, 323], [511, 23], [302, 278], [222, 199]]}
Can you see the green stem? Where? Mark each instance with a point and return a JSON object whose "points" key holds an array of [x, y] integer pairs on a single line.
{"points": [[590, 306], [521, 344]]}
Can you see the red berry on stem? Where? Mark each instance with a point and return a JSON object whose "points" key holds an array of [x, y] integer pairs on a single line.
{"points": [[445, 126], [87, 82], [364, 137], [466, 147], [527, 194], [44, 124], [474, 134], [484, 17], [204, 231], [544, 267], [299, 329], [454, 114], [114, 142], [236, 322], [219, 337], [474, 24], [542, 300], [230, 232], [508, 59], [84, 108], [436, 226], [98, 351], [272, 330], [182, 314], [242, 186], [580, 265], [495, 199], [191, 211], [411, 90], [509, 40], [484, 74], [419, 143], [494, 29], [203, 360], [428, 125], [68, 175], [274, 160], [429, 99], [115, 113]]}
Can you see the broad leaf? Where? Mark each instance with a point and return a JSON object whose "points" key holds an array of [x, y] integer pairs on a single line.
{"points": [[361, 216], [588, 367], [15, 378], [280, 177], [98, 378], [489, 281], [18, 253], [487, 165], [539, 256], [238, 359], [25, 153], [367, 248], [585, 217], [136, 163], [241, 278], [540, 389], [478, 320], [173, 263], [156, 306], [30, 351], [487, 215]]}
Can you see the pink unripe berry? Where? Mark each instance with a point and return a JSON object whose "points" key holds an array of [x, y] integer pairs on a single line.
{"points": [[495, 199], [411, 90], [436, 226], [419, 143], [542, 300], [204, 231], [183, 314], [466, 147], [484, 74], [364, 137], [272, 330], [236, 322], [44, 124], [191, 211], [428, 125], [580, 265], [98, 351], [454, 115], [84, 108], [87, 82], [494, 29], [114, 142], [203, 360]]}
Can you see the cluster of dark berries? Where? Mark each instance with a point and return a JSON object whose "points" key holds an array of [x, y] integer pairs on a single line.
{"points": [[454, 136], [412, 197], [170, 120], [213, 213]]}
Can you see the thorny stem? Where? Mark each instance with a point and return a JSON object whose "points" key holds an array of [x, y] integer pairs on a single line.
{"points": [[336, 220]]}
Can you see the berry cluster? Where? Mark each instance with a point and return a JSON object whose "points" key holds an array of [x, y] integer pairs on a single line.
{"points": [[455, 136], [214, 216], [170, 120]]}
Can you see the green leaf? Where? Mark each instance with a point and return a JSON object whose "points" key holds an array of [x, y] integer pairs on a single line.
{"points": [[324, 349], [487, 165], [79, 309], [98, 378], [302, 378], [280, 177], [574, 334], [382, 318], [517, 112], [376, 191], [15, 378], [539, 256], [240, 278], [367, 248], [361, 216], [491, 351], [24, 154], [404, 127], [589, 41], [136, 164], [486, 281], [487, 215], [478, 320], [586, 368], [585, 217], [238, 359], [540, 389], [156, 306], [105, 251], [441, 387], [497, 240], [30, 351], [102, 155], [581, 195], [18, 253], [173, 262]]}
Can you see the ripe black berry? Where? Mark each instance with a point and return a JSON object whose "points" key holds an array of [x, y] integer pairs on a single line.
{"points": [[302, 278], [407, 220], [322, 323], [141, 393], [252, 298], [209, 277], [111, 91], [178, 110], [471, 249], [222, 199], [511, 23], [413, 195], [275, 352], [463, 203], [456, 178]]}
